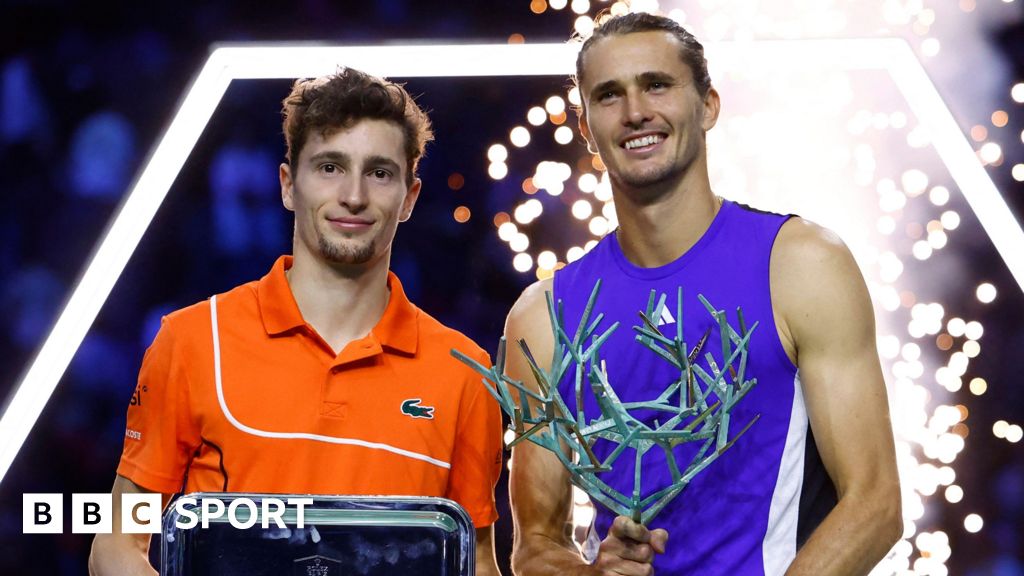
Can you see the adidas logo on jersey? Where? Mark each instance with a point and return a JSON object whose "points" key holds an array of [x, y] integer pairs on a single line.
{"points": [[666, 317]]}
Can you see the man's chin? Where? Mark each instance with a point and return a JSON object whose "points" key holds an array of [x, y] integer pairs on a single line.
{"points": [[644, 178], [347, 255]]}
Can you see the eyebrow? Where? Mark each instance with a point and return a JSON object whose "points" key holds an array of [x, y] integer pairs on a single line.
{"points": [[604, 87], [648, 77], [383, 162], [376, 160], [642, 78], [331, 155]]}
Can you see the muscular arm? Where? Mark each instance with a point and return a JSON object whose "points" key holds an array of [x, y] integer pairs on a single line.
{"points": [[539, 486], [486, 565], [121, 554], [827, 324]]}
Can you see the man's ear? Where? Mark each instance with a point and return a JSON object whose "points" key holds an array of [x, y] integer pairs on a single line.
{"points": [[712, 106], [410, 200], [284, 174], [585, 131]]}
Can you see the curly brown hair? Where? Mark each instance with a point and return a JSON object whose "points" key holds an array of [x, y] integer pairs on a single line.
{"points": [[330, 103]]}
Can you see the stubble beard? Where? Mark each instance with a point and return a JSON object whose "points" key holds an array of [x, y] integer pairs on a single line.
{"points": [[647, 177], [341, 252], [653, 176]]}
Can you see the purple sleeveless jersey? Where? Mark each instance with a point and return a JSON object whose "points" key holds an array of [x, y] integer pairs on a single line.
{"points": [[749, 511]]}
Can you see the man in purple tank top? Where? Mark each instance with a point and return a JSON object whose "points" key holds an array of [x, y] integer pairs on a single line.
{"points": [[811, 487]]}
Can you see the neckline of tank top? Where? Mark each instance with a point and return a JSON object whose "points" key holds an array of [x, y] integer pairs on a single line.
{"points": [[657, 272]]}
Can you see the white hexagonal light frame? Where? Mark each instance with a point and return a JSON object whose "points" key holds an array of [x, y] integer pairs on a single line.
{"points": [[294, 61]]}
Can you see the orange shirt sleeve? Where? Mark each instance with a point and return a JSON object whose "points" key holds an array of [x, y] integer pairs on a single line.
{"points": [[476, 461], [160, 436]]}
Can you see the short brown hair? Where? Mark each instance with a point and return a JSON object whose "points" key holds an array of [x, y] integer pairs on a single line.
{"points": [[692, 52], [329, 103]]}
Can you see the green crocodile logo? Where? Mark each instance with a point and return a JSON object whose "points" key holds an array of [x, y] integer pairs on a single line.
{"points": [[412, 408]]}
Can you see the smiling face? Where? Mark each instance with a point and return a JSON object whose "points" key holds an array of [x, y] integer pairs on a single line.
{"points": [[643, 113], [348, 191]]}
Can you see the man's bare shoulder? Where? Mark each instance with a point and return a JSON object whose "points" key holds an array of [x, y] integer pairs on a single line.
{"points": [[532, 303], [804, 243], [529, 321], [815, 282], [808, 258]]}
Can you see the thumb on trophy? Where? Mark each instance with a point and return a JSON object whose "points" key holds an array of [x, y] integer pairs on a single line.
{"points": [[659, 536]]}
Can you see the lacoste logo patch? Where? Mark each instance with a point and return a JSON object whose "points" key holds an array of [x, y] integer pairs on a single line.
{"points": [[412, 408]]}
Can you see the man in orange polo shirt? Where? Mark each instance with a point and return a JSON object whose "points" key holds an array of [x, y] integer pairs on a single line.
{"points": [[321, 377]]}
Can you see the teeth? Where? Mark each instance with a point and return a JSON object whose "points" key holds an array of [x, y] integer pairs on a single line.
{"points": [[641, 142]]}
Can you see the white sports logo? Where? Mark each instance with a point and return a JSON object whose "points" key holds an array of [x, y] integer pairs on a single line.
{"points": [[666, 317]]}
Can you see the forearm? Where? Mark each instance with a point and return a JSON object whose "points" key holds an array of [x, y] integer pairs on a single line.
{"points": [[486, 565], [118, 555], [538, 555], [854, 537]]}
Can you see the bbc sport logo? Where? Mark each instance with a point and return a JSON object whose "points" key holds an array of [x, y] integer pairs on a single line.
{"points": [[141, 513]]}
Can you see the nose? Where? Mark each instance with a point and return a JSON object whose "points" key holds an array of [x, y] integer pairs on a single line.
{"points": [[635, 109], [353, 194]]}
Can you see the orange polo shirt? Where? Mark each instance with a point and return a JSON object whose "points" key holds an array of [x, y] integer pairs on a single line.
{"points": [[262, 404]]}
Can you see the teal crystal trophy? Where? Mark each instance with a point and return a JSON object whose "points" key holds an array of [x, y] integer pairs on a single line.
{"points": [[691, 414]]}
